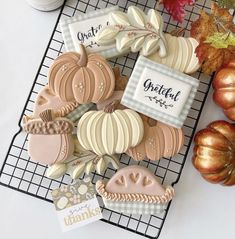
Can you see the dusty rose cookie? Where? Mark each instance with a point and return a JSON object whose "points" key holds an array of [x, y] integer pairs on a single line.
{"points": [[47, 100], [160, 140], [135, 190], [50, 139], [81, 77]]}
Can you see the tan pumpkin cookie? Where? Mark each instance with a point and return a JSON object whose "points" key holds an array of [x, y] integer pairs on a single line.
{"points": [[160, 140], [50, 139], [134, 189], [47, 100], [81, 77], [120, 85]]}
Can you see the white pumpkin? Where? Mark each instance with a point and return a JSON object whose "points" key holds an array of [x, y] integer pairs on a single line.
{"points": [[181, 54], [110, 133]]}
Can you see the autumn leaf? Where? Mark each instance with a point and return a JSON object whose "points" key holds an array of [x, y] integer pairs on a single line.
{"points": [[221, 40], [215, 33], [229, 4], [176, 8], [213, 58], [219, 20]]}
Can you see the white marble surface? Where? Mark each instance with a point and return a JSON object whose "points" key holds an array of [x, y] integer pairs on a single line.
{"points": [[200, 210]]}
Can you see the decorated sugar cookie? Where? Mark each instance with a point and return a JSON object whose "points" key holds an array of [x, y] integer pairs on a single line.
{"points": [[50, 139], [135, 190], [82, 161], [47, 100], [135, 31], [110, 131], [81, 77], [160, 140], [181, 54], [120, 85]]}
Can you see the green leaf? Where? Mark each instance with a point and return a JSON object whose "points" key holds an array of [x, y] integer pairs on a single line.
{"points": [[221, 40], [229, 4]]}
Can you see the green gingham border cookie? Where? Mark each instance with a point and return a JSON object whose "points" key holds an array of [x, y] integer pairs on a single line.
{"points": [[66, 25], [130, 98]]}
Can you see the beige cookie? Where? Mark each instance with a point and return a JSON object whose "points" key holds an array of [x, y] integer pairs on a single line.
{"points": [[50, 139]]}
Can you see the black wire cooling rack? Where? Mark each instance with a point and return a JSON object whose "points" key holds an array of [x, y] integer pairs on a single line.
{"points": [[22, 174]]}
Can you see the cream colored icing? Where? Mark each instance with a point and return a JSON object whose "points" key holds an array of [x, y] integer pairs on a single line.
{"points": [[181, 54], [110, 133], [135, 183], [135, 31]]}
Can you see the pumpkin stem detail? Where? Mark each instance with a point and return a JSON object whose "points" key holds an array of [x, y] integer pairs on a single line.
{"points": [[111, 106], [46, 115], [83, 56]]}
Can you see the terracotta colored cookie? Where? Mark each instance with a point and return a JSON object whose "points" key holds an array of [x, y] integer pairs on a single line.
{"points": [[47, 100], [81, 77], [134, 189], [120, 80], [160, 140], [50, 139]]}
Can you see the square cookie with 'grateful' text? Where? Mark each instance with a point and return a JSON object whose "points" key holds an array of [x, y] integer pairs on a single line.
{"points": [[160, 92]]}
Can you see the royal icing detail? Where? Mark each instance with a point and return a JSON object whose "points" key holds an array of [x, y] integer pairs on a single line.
{"points": [[110, 133], [134, 184], [181, 54], [83, 29], [81, 77], [160, 140], [134, 31], [47, 100], [160, 92], [50, 139]]}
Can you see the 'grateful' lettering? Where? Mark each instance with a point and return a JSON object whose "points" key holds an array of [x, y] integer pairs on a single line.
{"points": [[161, 90]]}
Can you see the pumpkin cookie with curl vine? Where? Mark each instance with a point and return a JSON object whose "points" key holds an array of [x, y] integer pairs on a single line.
{"points": [[81, 77]]}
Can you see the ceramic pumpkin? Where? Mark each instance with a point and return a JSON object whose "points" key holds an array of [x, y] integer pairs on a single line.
{"points": [[110, 131], [81, 77], [50, 139], [160, 140], [214, 153], [224, 89]]}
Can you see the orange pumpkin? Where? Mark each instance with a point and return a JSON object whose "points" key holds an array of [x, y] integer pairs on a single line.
{"points": [[214, 153], [224, 89], [160, 140], [81, 77]]}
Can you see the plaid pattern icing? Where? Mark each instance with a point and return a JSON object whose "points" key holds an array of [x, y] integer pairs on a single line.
{"points": [[128, 100], [135, 207], [79, 112], [69, 44]]}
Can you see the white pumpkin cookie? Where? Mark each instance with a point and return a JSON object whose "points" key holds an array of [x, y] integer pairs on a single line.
{"points": [[110, 131]]}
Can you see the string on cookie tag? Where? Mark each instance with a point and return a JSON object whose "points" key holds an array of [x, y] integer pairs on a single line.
{"points": [[76, 204]]}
